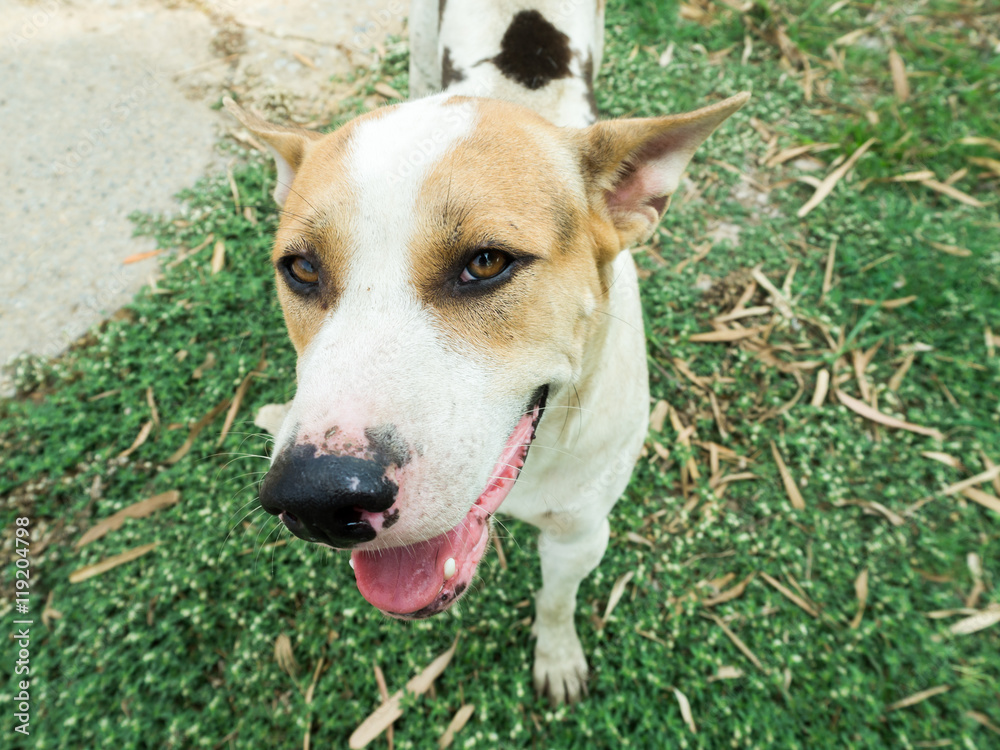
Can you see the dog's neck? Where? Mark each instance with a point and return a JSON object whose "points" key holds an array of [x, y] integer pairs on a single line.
{"points": [[543, 56]]}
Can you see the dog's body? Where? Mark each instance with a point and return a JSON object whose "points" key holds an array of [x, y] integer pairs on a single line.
{"points": [[455, 280]]}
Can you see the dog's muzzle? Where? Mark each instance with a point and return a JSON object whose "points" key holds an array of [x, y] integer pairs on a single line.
{"points": [[321, 498]]}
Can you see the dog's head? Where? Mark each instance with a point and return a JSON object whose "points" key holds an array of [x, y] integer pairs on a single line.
{"points": [[442, 265]]}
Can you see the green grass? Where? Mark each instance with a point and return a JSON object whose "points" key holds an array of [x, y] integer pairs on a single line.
{"points": [[176, 649]]}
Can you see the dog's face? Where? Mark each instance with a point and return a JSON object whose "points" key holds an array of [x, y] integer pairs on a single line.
{"points": [[442, 265]]}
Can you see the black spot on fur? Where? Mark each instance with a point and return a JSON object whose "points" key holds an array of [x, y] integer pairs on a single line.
{"points": [[533, 51], [386, 446], [449, 73], [389, 518], [441, 7]]}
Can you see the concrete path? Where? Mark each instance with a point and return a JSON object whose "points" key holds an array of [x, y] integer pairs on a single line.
{"points": [[105, 110]]}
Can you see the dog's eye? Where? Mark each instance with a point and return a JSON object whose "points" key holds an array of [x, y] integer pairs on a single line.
{"points": [[486, 265], [301, 270]]}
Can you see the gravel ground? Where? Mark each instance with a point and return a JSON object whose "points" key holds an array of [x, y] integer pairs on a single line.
{"points": [[105, 109]]}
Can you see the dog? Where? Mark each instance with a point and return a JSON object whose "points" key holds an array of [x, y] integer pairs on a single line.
{"points": [[455, 279]]}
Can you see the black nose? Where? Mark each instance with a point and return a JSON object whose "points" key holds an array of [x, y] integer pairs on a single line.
{"points": [[320, 497]]}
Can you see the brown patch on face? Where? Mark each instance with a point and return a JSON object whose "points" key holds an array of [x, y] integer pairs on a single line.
{"points": [[587, 72], [514, 185], [316, 223]]}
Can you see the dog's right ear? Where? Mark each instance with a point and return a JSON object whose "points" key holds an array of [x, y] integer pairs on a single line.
{"points": [[634, 166], [288, 146]]}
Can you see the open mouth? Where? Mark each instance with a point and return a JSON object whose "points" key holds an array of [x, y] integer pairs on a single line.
{"points": [[422, 579]]}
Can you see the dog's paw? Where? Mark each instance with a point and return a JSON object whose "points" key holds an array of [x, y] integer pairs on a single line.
{"points": [[560, 668], [270, 417]]}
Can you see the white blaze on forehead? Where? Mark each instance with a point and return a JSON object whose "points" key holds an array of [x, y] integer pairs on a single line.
{"points": [[389, 159], [379, 356]]}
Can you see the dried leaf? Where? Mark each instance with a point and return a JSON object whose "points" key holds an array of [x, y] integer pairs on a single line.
{"points": [[729, 594], [864, 410], [983, 476], [918, 697], [139, 440], [89, 571], [140, 509], [726, 672], [310, 691], [208, 364], [888, 304], [974, 140], [218, 256], [989, 465], [794, 598], [284, 656], [667, 57], [685, 705], [234, 407], [50, 613], [136, 257], [851, 37], [390, 710], [791, 489], [984, 720], [861, 591], [953, 192], [743, 648], [304, 60], [384, 89], [747, 312], [828, 271], [873, 505], [200, 425], [943, 458], [897, 377], [958, 252], [992, 165], [151, 402], [725, 336], [658, 415], [923, 174], [787, 154], [900, 84], [940, 614], [979, 621], [831, 180], [822, 386], [616, 594], [459, 720], [983, 498]]}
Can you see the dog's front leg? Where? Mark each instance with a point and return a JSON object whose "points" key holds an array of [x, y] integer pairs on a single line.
{"points": [[567, 558]]}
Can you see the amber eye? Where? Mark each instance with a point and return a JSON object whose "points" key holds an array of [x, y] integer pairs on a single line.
{"points": [[301, 270], [486, 265]]}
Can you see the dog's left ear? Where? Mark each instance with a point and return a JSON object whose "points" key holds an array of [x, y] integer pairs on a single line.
{"points": [[287, 145], [634, 166]]}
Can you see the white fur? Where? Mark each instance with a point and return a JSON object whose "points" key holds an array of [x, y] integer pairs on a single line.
{"points": [[473, 29], [379, 358]]}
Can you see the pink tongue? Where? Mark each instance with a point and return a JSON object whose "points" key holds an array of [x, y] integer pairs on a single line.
{"points": [[407, 579], [404, 580]]}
